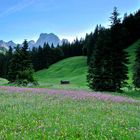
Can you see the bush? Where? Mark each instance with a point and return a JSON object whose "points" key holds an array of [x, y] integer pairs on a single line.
{"points": [[26, 77]]}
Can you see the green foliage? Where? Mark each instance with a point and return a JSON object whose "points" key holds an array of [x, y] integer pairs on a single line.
{"points": [[26, 74], [89, 43], [100, 70], [136, 76], [120, 57], [40, 116], [43, 57], [132, 57], [25, 77], [15, 65], [3, 81], [73, 69], [114, 18], [3, 50], [131, 23], [20, 68], [2, 64], [107, 67]]}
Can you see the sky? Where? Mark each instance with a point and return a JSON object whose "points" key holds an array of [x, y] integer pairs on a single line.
{"points": [[26, 19]]}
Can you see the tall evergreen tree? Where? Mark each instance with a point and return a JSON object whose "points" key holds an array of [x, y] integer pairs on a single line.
{"points": [[20, 68], [90, 43], [119, 56], [107, 67], [14, 65], [100, 70], [115, 17], [2, 65], [8, 57]]}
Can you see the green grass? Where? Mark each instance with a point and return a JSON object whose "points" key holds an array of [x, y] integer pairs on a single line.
{"points": [[43, 117], [3, 81], [132, 56], [73, 69]]}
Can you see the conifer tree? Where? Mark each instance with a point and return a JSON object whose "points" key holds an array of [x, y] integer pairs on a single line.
{"points": [[107, 67], [99, 72], [8, 57], [2, 64], [119, 56], [90, 43], [20, 68]]}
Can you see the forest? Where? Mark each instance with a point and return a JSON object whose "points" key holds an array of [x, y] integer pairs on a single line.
{"points": [[105, 50]]}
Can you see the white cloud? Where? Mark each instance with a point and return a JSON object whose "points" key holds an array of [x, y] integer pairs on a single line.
{"points": [[17, 7]]}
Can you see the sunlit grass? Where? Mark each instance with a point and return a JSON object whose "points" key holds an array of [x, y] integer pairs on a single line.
{"points": [[132, 56], [3, 81], [73, 69], [41, 116]]}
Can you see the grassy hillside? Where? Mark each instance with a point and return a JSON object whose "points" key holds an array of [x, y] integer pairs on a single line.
{"points": [[132, 55], [3, 81], [73, 69]]}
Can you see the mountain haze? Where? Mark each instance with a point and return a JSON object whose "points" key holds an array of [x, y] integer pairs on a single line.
{"points": [[43, 38]]}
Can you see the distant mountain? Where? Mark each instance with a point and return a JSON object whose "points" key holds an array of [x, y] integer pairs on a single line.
{"points": [[6, 45], [31, 44], [43, 38], [11, 43], [48, 38], [3, 44]]}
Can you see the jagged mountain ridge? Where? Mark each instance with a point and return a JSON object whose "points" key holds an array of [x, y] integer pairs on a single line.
{"points": [[43, 38]]}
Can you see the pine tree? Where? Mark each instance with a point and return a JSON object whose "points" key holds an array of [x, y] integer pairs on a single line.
{"points": [[21, 69], [136, 76], [8, 56], [108, 64], [114, 18], [99, 72], [119, 56], [90, 43], [14, 65], [2, 65]]}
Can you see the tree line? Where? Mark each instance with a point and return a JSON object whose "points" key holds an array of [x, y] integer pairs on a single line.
{"points": [[106, 55], [19, 63], [105, 50], [43, 57]]}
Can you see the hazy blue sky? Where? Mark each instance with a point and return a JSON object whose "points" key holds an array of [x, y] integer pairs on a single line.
{"points": [[26, 19]]}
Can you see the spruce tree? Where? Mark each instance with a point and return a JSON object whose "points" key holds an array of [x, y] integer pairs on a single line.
{"points": [[2, 65], [99, 72], [8, 56], [108, 64], [90, 43], [115, 17], [20, 68], [119, 56], [14, 65]]}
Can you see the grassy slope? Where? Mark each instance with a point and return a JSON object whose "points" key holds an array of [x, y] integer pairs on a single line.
{"points": [[3, 81], [73, 69], [131, 51]]}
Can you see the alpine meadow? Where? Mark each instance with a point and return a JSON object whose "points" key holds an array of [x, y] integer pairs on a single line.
{"points": [[71, 86]]}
